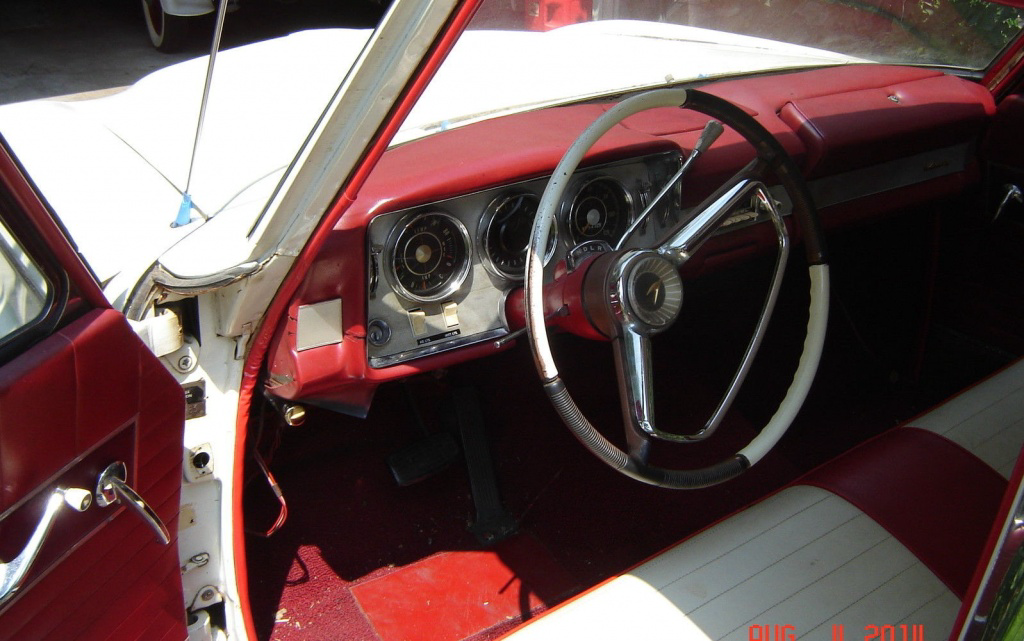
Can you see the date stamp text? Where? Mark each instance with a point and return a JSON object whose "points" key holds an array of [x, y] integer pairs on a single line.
{"points": [[901, 632]]}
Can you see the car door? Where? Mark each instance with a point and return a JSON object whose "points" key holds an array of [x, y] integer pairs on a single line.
{"points": [[80, 396]]}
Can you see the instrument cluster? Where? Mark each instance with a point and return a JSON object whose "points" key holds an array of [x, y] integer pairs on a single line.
{"points": [[439, 273]]}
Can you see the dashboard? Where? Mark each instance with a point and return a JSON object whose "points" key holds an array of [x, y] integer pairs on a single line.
{"points": [[439, 273], [422, 269]]}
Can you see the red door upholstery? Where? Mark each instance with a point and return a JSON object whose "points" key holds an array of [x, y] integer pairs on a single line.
{"points": [[89, 395]]}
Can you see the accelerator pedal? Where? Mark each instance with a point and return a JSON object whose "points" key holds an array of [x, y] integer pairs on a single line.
{"points": [[493, 523]]}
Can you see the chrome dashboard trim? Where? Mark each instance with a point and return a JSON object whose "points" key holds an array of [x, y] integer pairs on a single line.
{"points": [[418, 327], [887, 176], [438, 348]]}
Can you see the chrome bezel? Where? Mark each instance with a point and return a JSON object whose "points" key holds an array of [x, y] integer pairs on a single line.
{"points": [[569, 205], [484, 228], [459, 275]]}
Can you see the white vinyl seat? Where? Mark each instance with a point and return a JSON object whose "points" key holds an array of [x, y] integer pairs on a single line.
{"points": [[986, 420], [803, 557]]}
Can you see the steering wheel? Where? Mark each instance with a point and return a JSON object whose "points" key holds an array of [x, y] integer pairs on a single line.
{"points": [[631, 293]]}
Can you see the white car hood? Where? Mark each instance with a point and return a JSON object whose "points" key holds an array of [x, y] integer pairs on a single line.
{"points": [[114, 168]]}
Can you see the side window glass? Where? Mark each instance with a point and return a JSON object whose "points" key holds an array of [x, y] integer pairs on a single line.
{"points": [[24, 290]]}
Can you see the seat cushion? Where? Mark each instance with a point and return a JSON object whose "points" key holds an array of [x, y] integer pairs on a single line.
{"points": [[803, 558], [986, 419], [887, 534], [930, 493]]}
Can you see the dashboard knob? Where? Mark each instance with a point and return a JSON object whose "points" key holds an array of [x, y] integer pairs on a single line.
{"points": [[378, 332]]}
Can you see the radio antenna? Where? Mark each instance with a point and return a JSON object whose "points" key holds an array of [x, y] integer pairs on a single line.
{"points": [[185, 210]]}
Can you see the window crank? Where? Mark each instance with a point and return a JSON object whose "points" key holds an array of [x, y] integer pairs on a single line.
{"points": [[111, 488]]}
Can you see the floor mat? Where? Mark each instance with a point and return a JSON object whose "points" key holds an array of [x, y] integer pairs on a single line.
{"points": [[455, 595]]}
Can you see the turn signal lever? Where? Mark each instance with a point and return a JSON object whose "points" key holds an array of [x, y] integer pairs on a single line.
{"points": [[508, 338]]}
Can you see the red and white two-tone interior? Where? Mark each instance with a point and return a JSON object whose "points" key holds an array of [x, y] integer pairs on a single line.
{"points": [[387, 455], [907, 167]]}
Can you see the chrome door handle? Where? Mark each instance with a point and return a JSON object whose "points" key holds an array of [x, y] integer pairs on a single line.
{"points": [[111, 488], [13, 573]]}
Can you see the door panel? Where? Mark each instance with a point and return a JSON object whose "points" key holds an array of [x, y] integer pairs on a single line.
{"points": [[87, 370], [79, 396], [92, 394], [986, 255]]}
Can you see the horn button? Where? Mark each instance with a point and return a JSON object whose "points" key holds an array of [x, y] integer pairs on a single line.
{"points": [[647, 292]]}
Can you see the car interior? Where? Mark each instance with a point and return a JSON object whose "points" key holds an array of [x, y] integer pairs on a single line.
{"points": [[432, 490]]}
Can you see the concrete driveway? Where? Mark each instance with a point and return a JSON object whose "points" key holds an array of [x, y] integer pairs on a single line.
{"points": [[61, 47]]}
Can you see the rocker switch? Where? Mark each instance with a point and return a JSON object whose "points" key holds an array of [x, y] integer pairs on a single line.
{"points": [[418, 320], [451, 314]]}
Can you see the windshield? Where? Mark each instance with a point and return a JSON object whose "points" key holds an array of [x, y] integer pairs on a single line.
{"points": [[517, 56], [964, 34]]}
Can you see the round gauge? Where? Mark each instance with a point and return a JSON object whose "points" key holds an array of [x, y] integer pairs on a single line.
{"points": [[430, 256], [601, 210], [506, 227]]}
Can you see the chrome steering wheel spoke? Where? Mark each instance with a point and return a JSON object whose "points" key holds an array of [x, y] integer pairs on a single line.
{"points": [[711, 214], [633, 351], [763, 202], [634, 368]]}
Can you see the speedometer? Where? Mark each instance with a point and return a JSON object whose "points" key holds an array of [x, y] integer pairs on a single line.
{"points": [[601, 210], [429, 256]]}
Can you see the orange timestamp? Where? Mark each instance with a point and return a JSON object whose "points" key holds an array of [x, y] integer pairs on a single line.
{"points": [[901, 632]]}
